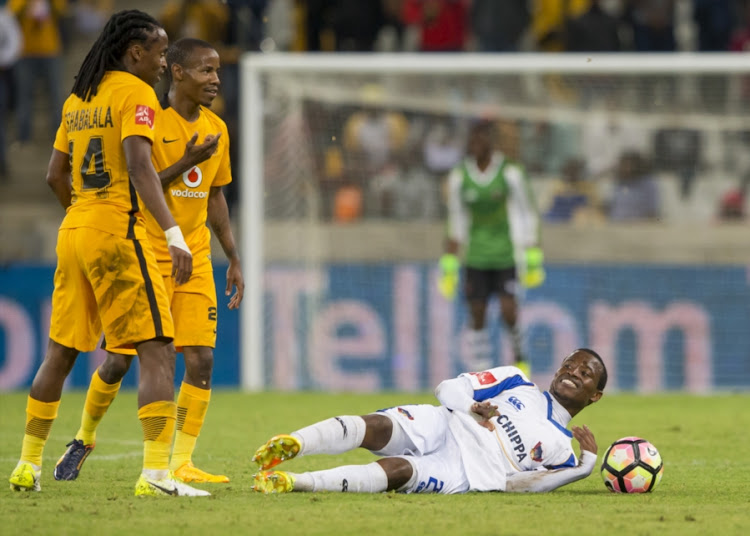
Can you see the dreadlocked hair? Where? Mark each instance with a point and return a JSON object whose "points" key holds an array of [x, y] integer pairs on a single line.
{"points": [[179, 53], [107, 51]]}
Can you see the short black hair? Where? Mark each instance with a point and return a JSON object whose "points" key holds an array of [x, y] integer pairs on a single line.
{"points": [[107, 52], [603, 378]]}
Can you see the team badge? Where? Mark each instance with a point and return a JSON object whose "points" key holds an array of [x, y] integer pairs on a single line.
{"points": [[484, 378], [405, 413], [193, 177], [536, 452], [144, 115]]}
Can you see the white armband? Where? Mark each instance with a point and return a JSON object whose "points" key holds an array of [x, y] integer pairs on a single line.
{"points": [[175, 238]]}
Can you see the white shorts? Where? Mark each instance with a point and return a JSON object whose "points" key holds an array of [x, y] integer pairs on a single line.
{"points": [[428, 445]]}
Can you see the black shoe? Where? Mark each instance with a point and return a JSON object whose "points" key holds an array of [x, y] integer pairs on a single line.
{"points": [[70, 463]]}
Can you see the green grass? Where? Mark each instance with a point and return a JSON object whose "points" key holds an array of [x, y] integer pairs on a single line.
{"points": [[703, 440]]}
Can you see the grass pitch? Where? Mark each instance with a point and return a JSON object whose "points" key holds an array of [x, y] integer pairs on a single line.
{"points": [[703, 440]]}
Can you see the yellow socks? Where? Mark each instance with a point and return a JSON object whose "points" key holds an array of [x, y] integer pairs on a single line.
{"points": [[157, 421], [39, 419], [98, 398], [192, 404]]}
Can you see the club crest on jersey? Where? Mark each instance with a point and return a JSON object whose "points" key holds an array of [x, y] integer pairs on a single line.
{"points": [[144, 115], [193, 177], [405, 413], [536, 452]]}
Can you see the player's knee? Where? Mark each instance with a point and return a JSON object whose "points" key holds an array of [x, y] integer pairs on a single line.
{"points": [[114, 367], [378, 431], [398, 470], [199, 364]]}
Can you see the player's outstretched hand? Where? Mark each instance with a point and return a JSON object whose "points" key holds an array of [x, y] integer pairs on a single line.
{"points": [[585, 438], [235, 279], [182, 264], [195, 154], [486, 411]]}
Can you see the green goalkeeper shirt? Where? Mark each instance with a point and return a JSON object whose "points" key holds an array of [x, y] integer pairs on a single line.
{"points": [[491, 212]]}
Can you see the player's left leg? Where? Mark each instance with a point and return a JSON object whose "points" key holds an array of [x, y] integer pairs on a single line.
{"points": [[383, 475], [508, 288], [192, 405]]}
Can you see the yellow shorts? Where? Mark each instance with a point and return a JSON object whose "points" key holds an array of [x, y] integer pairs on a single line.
{"points": [[110, 284], [193, 311]]}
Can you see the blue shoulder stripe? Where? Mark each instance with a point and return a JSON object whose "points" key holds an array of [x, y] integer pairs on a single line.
{"points": [[507, 383], [570, 462], [553, 421]]}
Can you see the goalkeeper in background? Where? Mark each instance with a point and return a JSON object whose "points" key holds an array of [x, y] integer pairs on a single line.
{"points": [[491, 211]]}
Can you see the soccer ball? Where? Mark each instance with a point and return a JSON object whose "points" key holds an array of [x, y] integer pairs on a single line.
{"points": [[632, 465]]}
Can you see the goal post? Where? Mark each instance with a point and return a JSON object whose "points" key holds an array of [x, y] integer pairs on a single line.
{"points": [[296, 122]]}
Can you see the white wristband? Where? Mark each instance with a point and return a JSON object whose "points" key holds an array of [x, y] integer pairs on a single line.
{"points": [[175, 238]]}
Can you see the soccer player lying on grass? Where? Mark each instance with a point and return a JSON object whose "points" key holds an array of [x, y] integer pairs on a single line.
{"points": [[494, 431]]}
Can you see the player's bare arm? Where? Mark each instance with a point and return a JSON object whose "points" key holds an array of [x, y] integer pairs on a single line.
{"points": [[146, 181], [59, 178], [193, 155], [218, 218]]}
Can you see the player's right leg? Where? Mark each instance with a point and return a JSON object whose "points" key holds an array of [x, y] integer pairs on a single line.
{"points": [[103, 388], [74, 326], [135, 314]]}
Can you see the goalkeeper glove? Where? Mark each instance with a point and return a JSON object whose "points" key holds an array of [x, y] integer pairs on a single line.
{"points": [[534, 274], [449, 275]]}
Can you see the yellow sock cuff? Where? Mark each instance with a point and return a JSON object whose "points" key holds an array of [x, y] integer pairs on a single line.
{"points": [[42, 410], [158, 421], [195, 392], [98, 384]]}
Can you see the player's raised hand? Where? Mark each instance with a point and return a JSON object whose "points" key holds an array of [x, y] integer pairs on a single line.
{"points": [[235, 279], [585, 438], [485, 410], [195, 154]]}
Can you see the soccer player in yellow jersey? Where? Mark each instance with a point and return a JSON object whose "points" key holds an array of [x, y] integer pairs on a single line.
{"points": [[194, 196], [107, 278]]}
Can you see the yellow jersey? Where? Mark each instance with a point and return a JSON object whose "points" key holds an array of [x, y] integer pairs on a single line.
{"points": [[187, 196], [91, 134]]}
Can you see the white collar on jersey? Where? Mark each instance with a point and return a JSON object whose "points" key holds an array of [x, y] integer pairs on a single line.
{"points": [[557, 414]]}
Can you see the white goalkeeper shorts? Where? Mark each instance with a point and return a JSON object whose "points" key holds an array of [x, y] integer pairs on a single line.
{"points": [[422, 437]]}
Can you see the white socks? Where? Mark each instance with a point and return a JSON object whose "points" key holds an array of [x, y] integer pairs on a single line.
{"points": [[370, 478], [478, 349], [332, 436]]}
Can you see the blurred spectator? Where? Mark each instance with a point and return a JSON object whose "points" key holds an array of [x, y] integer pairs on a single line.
{"points": [[678, 150], [596, 30], [347, 204], [546, 146], [90, 16], [10, 50], [417, 197], [636, 193], [343, 25], [605, 138], [499, 26], [573, 197], [42, 57], [202, 19], [383, 188], [374, 136], [549, 20], [740, 40], [443, 147], [732, 203], [653, 24], [441, 23], [714, 21]]}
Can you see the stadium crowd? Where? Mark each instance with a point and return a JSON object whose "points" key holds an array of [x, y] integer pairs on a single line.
{"points": [[392, 163]]}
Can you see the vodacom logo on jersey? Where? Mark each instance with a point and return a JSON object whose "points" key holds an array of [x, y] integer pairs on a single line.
{"points": [[192, 179]]}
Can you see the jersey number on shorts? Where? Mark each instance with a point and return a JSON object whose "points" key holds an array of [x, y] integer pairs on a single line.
{"points": [[93, 171], [436, 484]]}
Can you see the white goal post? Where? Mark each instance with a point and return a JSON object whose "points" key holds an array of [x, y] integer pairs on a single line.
{"points": [[334, 78]]}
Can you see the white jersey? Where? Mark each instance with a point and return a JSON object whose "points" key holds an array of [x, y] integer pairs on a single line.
{"points": [[530, 432]]}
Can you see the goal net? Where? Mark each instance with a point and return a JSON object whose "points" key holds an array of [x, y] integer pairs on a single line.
{"points": [[342, 215]]}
